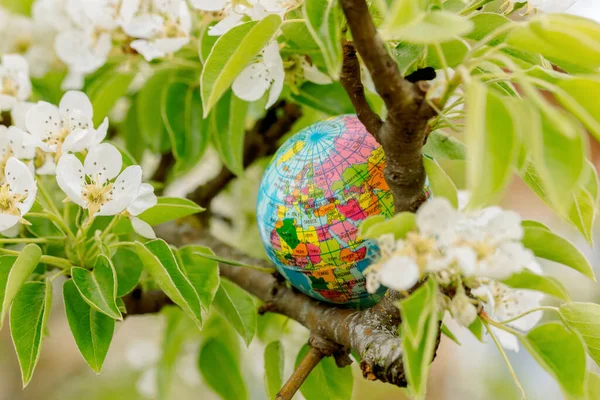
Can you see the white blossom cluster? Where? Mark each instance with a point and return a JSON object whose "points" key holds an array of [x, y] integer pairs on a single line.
{"points": [[45, 139], [267, 73], [469, 253]]}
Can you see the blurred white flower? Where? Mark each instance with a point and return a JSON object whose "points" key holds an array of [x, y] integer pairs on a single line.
{"points": [[551, 6], [163, 31], [314, 75], [97, 185], [463, 309], [17, 194], [144, 200], [142, 353], [15, 85], [397, 272], [267, 73], [66, 128], [83, 51], [502, 303]]}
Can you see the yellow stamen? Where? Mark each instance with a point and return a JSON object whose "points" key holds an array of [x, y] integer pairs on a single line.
{"points": [[96, 196]]}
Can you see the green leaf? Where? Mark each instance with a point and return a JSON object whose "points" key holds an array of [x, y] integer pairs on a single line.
{"points": [[223, 260], [14, 273], [273, 368], [577, 96], [593, 386], [400, 224], [409, 56], [443, 147], [432, 27], [196, 136], [237, 306], [493, 146], [419, 333], [28, 320], [128, 267], [99, 287], [582, 212], [323, 19], [168, 209], [484, 24], [454, 52], [331, 99], [172, 106], [92, 330], [441, 184], [477, 330], [173, 337], [551, 34], [221, 371], [206, 42], [550, 246], [149, 116], [555, 347], [202, 272], [546, 284], [160, 263], [232, 52], [228, 131], [585, 319], [446, 331], [114, 85], [326, 381], [298, 36]]}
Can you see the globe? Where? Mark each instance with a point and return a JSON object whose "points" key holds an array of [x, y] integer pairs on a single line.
{"points": [[319, 186]]}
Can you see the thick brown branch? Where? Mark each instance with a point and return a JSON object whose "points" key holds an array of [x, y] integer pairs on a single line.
{"points": [[140, 302], [351, 80], [308, 363], [261, 141], [403, 133], [372, 333]]}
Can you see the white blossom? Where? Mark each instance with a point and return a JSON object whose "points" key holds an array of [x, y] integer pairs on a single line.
{"points": [[502, 303], [314, 75], [96, 185], [66, 128], [463, 310], [144, 200], [163, 30], [398, 273], [265, 74], [17, 194], [15, 85]]}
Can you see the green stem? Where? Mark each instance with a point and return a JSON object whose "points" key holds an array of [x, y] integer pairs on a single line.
{"points": [[50, 260], [121, 244], [541, 308], [24, 240], [109, 227], [57, 220], [474, 7], [505, 357], [47, 198], [498, 325]]}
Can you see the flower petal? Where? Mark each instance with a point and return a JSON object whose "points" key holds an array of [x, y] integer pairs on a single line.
{"points": [[71, 179], [209, 5], [147, 49], [8, 221], [75, 100], [252, 83], [312, 74], [124, 191], [142, 228], [225, 25], [399, 273], [19, 114], [507, 340], [43, 119], [171, 45], [21, 143], [103, 162], [437, 218], [145, 199], [20, 180], [144, 26]]}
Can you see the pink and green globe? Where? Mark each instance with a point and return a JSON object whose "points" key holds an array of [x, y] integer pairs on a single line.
{"points": [[321, 184]]}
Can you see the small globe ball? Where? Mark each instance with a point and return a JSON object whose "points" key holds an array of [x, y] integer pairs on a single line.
{"points": [[318, 188]]}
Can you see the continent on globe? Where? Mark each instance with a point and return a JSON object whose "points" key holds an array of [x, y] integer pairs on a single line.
{"points": [[319, 186]]}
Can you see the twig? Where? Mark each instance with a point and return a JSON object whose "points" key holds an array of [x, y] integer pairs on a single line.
{"points": [[350, 79], [308, 363]]}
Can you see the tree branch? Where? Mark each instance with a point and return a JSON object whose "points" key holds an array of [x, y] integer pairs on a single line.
{"points": [[372, 333], [404, 131], [350, 79], [308, 363]]}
